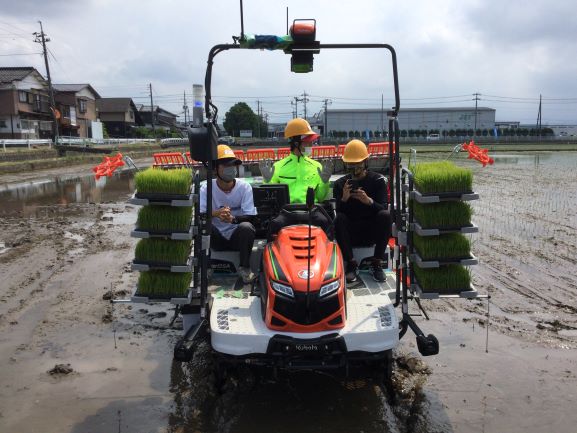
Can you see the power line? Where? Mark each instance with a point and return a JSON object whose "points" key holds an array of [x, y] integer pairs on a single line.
{"points": [[24, 32], [19, 54]]}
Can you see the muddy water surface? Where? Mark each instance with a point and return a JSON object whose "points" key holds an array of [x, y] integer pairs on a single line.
{"points": [[29, 198]]}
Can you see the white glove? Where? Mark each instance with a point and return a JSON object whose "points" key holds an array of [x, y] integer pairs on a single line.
{"points": [[327, 171], [266, 169]]}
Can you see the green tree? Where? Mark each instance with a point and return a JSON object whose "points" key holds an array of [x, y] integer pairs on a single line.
{"points": [[241, 117]]}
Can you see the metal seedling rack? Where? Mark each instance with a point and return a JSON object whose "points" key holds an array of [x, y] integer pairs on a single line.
{"points": [[413, 257]]}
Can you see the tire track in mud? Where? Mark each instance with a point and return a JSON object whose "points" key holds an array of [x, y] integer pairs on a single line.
{"points": [[527, 248]]}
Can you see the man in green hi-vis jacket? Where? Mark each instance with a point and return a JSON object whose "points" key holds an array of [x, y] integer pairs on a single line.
{"points": [[297, 170], [300, 173]]}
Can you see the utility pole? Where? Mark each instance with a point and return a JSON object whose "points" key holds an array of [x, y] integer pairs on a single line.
{"points": [[305, 100], [539, 117], [152, 110], [185, 108], [476, 95], [258, 118], [296, 105], [327, 102], [42, 38]]}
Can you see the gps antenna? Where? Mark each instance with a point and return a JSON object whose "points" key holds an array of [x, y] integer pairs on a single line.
{"points": [[241, 23]]}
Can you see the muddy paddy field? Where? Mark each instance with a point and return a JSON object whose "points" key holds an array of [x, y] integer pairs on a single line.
{"points": [[73, 362]]}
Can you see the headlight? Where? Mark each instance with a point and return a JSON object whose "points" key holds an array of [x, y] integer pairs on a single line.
{"points": [[327, 289], [282, 289]]}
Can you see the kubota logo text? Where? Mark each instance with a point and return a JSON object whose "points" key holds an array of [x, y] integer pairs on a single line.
{"points": [[304, 274]]}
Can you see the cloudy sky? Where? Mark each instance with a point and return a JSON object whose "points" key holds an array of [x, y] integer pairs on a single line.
{"points": [[508, 51]]}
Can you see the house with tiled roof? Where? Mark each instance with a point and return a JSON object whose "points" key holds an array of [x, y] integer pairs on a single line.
{"points": [[24, 104], [163, 119], [76, 104], [119, 115]]}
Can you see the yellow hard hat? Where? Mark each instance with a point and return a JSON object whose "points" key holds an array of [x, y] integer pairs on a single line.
{"points": [[225, 152], [355, 151], [296, 127]]}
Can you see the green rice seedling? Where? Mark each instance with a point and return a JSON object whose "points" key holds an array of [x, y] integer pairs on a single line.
{"points": [[447, 246], [444, 280], [160, 283], [162, 251], [441, 176], [446, 214], [164, 218], [157, 181]]}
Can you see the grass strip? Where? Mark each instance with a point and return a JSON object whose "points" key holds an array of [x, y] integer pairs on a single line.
{"points": [[163, 251], [447, 214], [154, 180], [161, 283], [444, 280], [447, 246], [441, 176], [164, 218]]}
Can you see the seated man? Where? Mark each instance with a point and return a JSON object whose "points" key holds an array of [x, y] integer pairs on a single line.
{"points": [[362, 211], [299, 172], [232, 210]]}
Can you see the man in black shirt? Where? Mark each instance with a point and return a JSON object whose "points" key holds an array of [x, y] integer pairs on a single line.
{"points": [[362, 211]]}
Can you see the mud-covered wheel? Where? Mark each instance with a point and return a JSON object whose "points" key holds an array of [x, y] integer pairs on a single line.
{"points": [[383, 369], [220, 374], [386, 377], [388, 367]]}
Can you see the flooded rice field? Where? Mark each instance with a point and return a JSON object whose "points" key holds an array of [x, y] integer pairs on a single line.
{"points": [[65, 250]]}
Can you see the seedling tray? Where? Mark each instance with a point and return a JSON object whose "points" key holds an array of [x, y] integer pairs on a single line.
{"points": [[437, 197], [471, 228], [177, 299], [176, 200], [427, 264], [468, 293], [144, 266], [175, 236]]}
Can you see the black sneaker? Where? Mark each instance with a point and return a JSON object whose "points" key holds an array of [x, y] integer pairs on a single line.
{"points": [[377, 272], [352, 273]]}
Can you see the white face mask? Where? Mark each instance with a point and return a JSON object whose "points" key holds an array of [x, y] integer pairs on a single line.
{"points": [[228, 173]]}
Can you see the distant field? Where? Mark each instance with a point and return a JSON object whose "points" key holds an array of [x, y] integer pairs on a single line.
{"points": [[517, 147], [493, 147]]}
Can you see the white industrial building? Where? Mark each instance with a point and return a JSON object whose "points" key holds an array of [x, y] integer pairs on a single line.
{"points": [[429, 119]]}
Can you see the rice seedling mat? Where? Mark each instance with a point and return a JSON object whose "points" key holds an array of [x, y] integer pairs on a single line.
{"points": [[185, 201], [468, 293], [428, 264], [471, 228], [437, 197], [163, 185], [173, 299], [175, 236], [158, 196], [144, 266]]}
